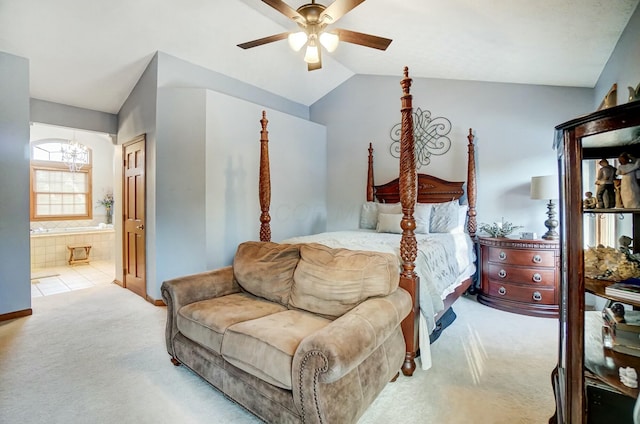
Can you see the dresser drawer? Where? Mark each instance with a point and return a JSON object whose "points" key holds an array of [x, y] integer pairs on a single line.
{"points": [[523, 275], [522, 257], [543, 295]]}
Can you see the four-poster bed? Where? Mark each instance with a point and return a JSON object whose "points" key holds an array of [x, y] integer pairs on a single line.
{"points": [[409, 188]]}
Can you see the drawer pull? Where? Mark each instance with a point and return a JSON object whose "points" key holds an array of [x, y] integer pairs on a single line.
{"points": [[537, 277], [537, 296], [502, 273], [502, 291], [537, 259], [502, 255]]}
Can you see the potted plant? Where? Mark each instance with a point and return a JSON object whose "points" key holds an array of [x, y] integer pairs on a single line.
{"points": [[107, 202]]}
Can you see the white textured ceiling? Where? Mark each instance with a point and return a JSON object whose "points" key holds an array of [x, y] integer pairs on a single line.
{"points": [[90, 53]]}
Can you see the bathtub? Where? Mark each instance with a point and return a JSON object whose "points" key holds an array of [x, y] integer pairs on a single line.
{"points": [[55, 231], [49, 246]]}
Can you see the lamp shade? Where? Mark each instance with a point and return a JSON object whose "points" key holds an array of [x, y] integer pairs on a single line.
{"points": [[297, 40], [329, 41], [544, 187]]}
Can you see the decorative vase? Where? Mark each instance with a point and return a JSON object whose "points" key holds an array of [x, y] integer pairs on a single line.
{"points": [[109, 215]]}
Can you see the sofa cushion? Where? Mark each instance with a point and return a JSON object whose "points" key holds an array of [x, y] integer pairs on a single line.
{"points": [[264, 347], [265, 269], [332, 281], [206, 321]]}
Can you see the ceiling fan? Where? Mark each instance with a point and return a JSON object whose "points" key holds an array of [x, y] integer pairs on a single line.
{"points": [[313, 19]]}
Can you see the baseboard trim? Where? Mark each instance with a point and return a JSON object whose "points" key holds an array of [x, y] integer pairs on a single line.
{"points": [[155, 302], [16, 314], [118, 282]]}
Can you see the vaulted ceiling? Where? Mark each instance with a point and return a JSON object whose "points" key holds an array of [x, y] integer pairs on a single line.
{"points": [[90, 53]]}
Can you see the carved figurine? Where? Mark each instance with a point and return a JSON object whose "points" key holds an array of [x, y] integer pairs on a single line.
{"points": [[634, 94], [629, 187], [605, 190], [616, 185], [589, 201]]}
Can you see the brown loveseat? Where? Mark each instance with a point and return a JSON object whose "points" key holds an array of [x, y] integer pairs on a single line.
{"points": [[292, 332]]}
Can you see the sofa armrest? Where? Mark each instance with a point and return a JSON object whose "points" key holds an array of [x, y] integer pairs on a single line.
{"points": [[324, 366], [202, 286], [193, 288], [351, 338]]}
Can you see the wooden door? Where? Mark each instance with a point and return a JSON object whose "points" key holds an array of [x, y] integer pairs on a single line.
{"points": [[134, 263]]}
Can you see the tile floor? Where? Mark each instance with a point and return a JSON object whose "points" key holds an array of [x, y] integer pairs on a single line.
{"points": [[47, 281]]}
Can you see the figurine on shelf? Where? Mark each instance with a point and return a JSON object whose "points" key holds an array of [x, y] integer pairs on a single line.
{"points": [[616, 185], [629, 187], [589, 201], [634, 94], [605, 190], [627, 249]]}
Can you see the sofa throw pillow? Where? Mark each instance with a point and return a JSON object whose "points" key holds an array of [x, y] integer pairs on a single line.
{"points": [[389, 223], [369, 216], [330, 282], [265, 269]]}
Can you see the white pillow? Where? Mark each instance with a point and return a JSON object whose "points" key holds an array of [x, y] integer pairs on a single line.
{"points": [[462, 219], [422, 215], [369, 216], [389, 223], [389, 208], [445, 217]]}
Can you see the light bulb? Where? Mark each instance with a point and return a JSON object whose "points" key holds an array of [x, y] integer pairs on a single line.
{"points": [[297, 40], [329, 41]]}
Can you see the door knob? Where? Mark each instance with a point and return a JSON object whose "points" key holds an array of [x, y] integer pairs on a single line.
{"points": [[140, 227]]}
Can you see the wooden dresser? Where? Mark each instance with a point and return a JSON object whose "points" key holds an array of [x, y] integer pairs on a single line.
{"points": [[520, 276]]}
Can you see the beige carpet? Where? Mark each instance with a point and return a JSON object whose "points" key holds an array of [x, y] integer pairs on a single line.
{"points": [[97, 356]]}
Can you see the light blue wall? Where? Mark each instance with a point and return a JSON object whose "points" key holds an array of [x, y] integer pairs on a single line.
{"points": [[73, 117], [513, 123], [177, 73], [623, 66], [180, 246], [207, 157], [298, 167], [15, 273]]}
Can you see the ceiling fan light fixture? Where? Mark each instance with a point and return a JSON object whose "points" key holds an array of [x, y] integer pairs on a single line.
{"points": [[297, 40], [329, 41], [312, 55]]}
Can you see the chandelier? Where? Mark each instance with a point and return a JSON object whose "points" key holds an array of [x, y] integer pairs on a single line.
{"points": [[75, 155]]}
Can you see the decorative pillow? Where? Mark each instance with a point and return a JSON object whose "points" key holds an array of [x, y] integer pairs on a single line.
{"points": [[462, 219], [445, 217], [389, 208], [369, 216], [389, 223], [331, 282], [265, 269], [422, 215]]}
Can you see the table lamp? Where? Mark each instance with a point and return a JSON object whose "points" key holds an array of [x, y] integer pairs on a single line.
{"points": [[546, 187]]}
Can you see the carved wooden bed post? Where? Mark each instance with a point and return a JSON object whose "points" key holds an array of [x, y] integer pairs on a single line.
{"points": [[408, 245], [370, 190], [472, 225], [264, 187]]}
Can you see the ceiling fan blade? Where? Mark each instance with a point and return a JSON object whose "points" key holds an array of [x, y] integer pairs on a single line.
{"points": [[318, 65], [366, 40], [285, 9], [265, 40], [338, 9]]}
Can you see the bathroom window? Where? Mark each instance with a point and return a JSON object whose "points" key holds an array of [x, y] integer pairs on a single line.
{"points": [[59, 190]]}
